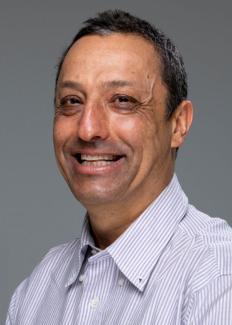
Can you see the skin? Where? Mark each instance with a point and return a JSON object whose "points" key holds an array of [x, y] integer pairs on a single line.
{"points": [[111, 99]]}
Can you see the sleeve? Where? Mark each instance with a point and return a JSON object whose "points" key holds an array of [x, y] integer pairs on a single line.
{"points": [[11, 311], [212, 305], [16, 300], [9, 319]]}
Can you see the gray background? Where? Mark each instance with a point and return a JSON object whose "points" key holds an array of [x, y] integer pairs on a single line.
{"points": [[37, 210]]}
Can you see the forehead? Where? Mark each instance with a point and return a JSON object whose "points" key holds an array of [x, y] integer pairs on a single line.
{"points": [[113, 55]]}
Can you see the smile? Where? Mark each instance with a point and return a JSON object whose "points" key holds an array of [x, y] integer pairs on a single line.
{"points": [[96, 160], [96, 163]]}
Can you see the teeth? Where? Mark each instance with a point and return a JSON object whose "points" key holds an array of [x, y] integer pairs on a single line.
{"points": [[99, 163], [97, 157]]}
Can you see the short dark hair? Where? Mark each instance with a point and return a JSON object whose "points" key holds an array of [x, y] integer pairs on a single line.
{"points": [[172, 65]]}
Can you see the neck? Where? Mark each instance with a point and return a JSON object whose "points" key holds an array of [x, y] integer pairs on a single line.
{"points": [[109, 221]]}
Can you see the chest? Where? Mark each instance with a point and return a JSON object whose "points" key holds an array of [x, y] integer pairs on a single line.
{"points": [[102, 294]]}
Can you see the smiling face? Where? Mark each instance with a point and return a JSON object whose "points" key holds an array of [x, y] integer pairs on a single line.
{"points": [[112, 141]]}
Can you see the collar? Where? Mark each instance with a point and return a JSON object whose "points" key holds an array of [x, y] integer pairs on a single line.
{"points": [[138, 249], [85, 242]]}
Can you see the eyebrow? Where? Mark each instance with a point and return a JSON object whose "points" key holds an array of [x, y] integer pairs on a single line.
{"points": [[117, 83], [70, 84], [106, 84]]}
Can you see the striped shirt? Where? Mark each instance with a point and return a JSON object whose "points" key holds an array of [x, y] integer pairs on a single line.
{"points": [[173, 265]]}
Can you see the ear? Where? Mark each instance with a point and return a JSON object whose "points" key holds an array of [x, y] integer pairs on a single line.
{"points": [[181, 122]]}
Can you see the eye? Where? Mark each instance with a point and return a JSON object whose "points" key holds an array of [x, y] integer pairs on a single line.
{"points": [[69, 105], [124, 102], [70, 101]]}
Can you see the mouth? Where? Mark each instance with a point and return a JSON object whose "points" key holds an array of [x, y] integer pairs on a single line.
{"points": [[100, 160]]}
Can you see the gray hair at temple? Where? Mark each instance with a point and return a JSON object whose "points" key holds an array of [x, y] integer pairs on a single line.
{"points": [[117, 21]]}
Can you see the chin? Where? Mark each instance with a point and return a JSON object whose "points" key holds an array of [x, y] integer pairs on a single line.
{"points": [[96, 197]]}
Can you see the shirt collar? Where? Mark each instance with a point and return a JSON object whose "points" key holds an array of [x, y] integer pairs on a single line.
{"points": [[85, 242], [138, 249]]}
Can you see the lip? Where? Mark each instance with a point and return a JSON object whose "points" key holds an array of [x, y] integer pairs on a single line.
{"points": [[82, 169], [94, 152]]}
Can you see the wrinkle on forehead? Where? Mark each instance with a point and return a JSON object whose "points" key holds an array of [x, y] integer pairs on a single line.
{"points": [[114, 54]]}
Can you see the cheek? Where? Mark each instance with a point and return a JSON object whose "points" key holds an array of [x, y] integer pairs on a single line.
{"points": [[62, 129], [129, 128], [57, 136], [60, 137], [140, 134], [59, 140], [131, 134]]}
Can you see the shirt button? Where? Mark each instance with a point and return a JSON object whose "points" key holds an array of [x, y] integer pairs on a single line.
{"points": [[120, 282], [93, 251], [82, 278], [94, 302]]}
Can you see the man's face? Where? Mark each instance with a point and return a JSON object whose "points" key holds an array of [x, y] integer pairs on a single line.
{"points": [[112, 140]]}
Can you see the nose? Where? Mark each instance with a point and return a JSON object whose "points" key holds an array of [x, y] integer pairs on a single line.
{"points": [[93, 124]]}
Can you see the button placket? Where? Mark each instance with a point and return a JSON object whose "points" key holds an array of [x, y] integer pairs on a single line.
{"points": [[94, 302], [121, 282], [82, 278]]}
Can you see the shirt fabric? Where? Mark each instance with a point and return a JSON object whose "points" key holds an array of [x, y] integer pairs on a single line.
{"points": [[173, 265]]}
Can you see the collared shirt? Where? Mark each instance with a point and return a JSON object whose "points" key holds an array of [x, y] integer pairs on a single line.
{"points": [[173, 265]]}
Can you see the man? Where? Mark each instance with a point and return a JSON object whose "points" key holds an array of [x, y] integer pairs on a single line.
{"points": [[145, 255]]}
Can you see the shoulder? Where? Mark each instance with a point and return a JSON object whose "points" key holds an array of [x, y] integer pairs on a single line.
{"points": [[51, 272], [57, 259], [57, 254], [209, 282], [211, 243]]}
